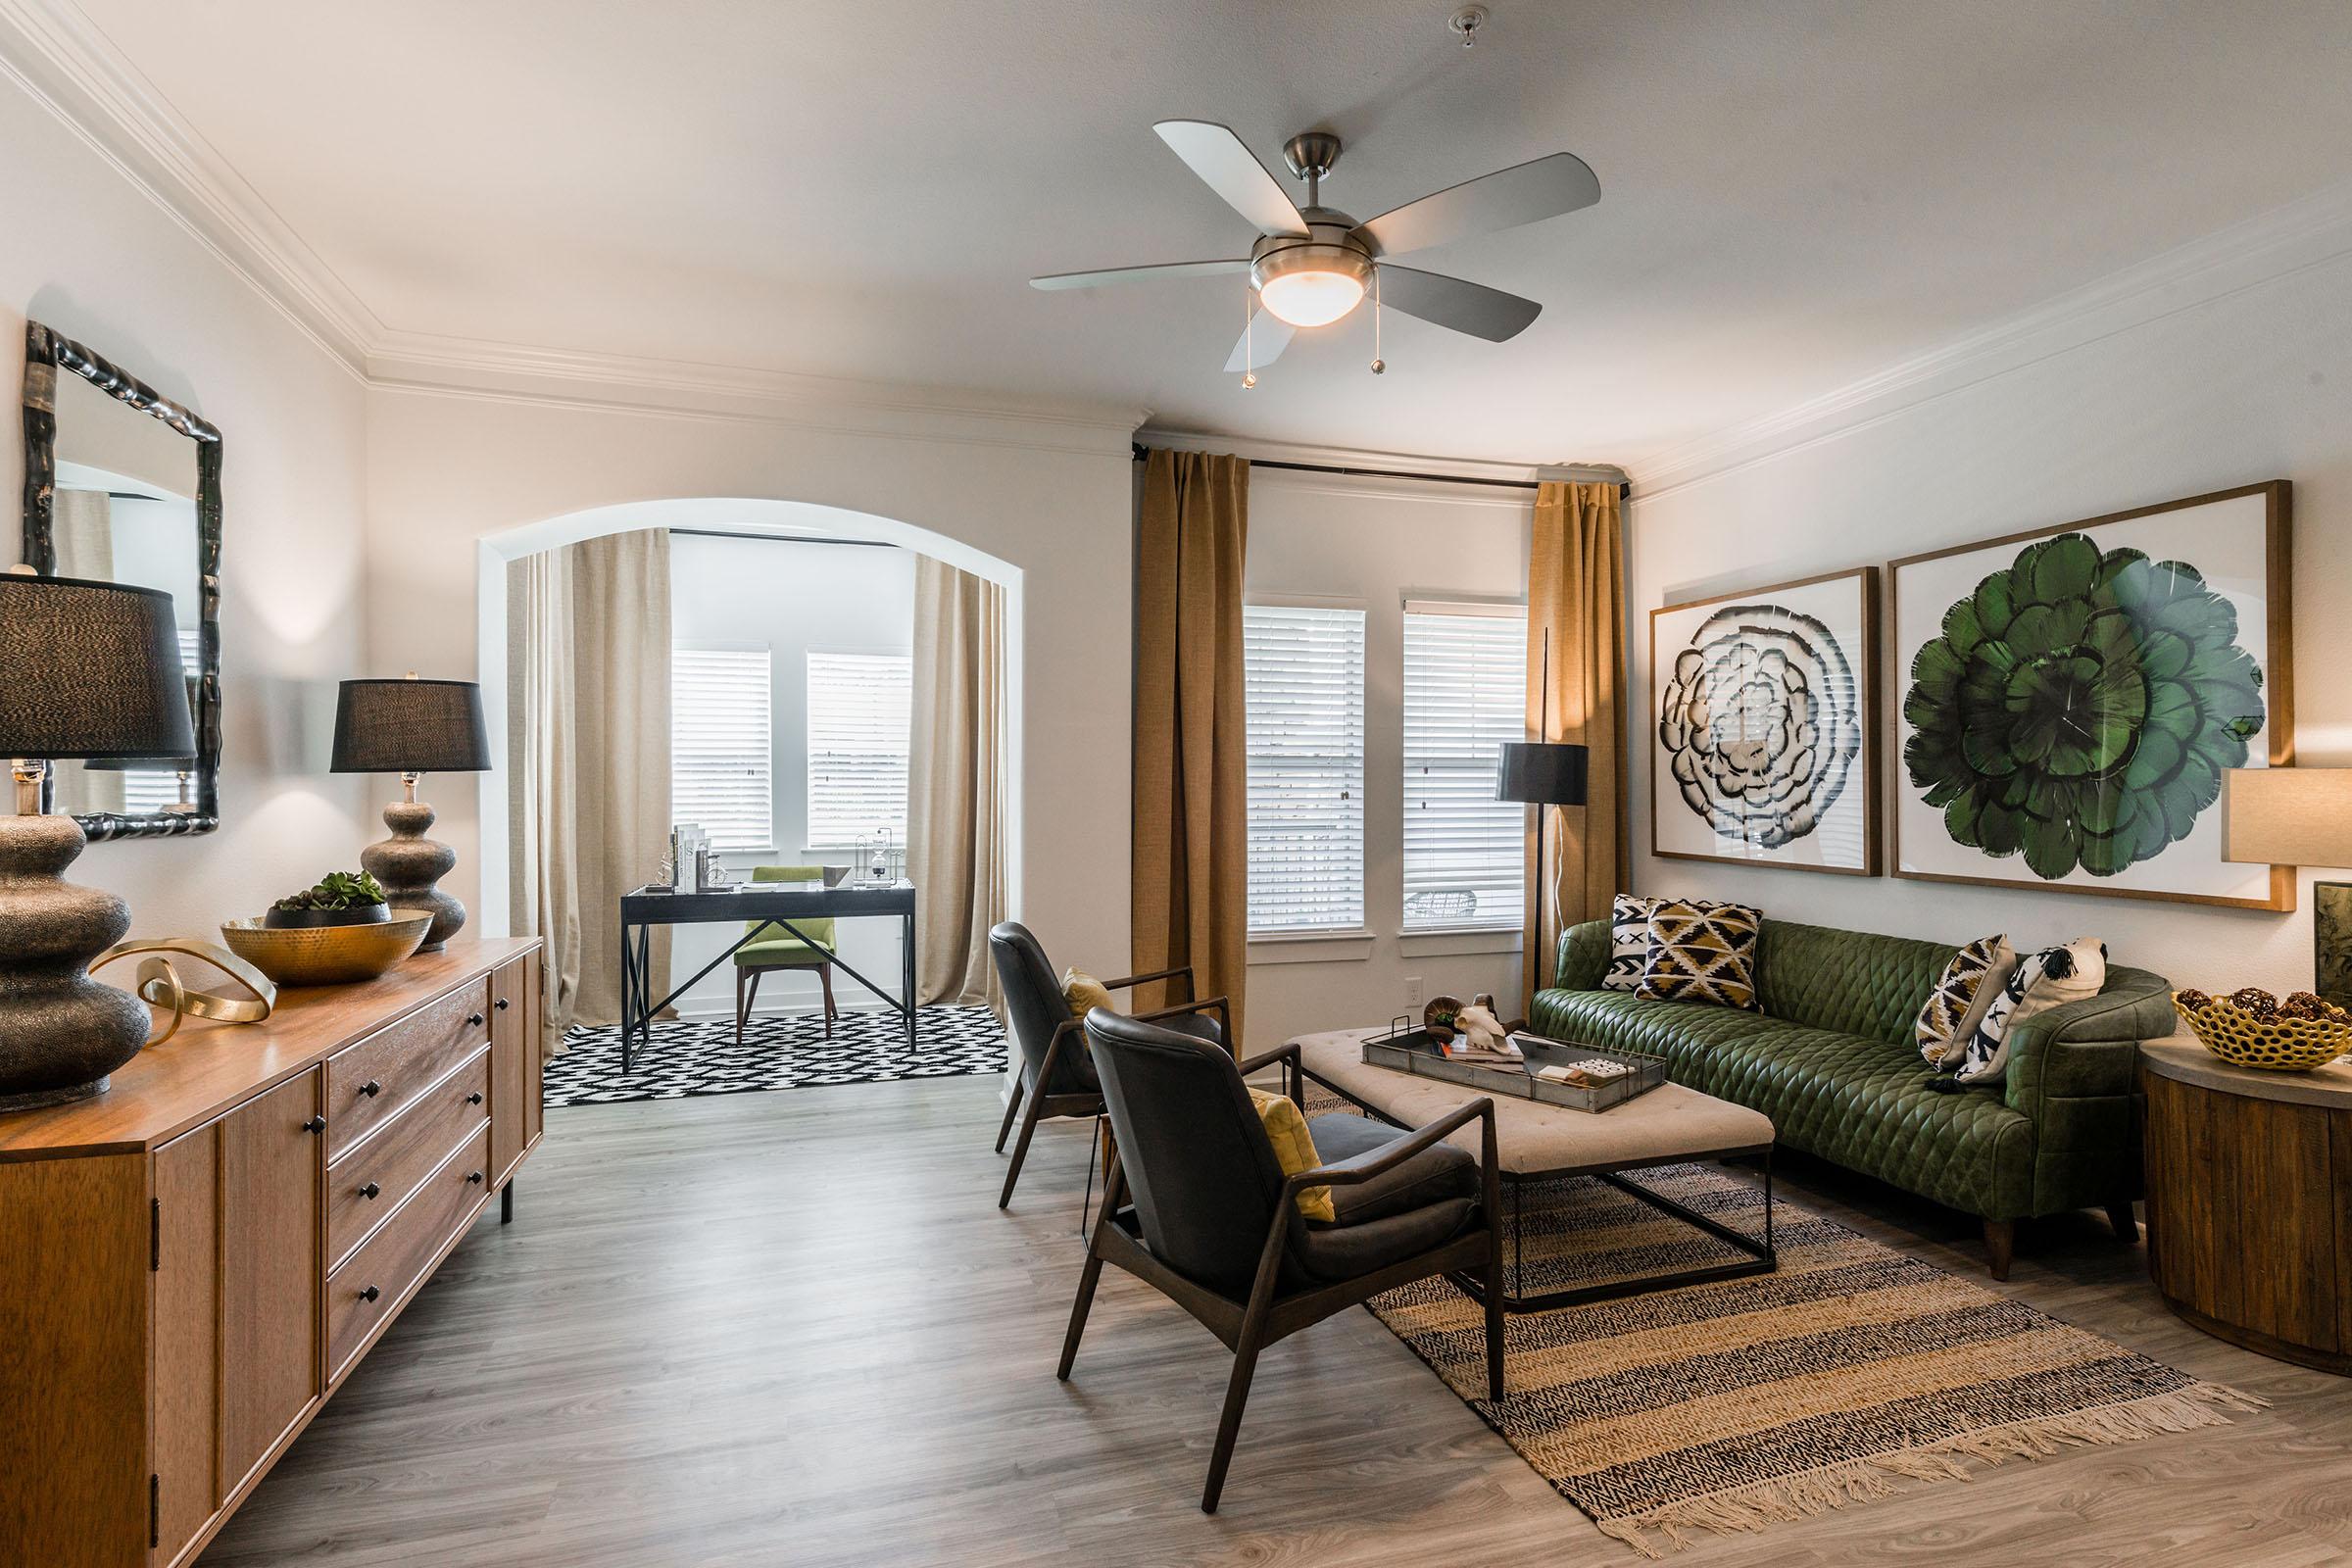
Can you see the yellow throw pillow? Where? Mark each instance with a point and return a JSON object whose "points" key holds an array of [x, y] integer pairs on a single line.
{"points": [[1083, 991], [1294, 1149]]}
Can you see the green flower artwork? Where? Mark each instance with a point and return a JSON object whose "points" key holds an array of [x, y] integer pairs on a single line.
{"points": [[2080, 708]]}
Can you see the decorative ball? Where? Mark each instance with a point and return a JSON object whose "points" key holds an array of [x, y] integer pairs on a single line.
{"points": [[2192, 1001], [2255, 1001]]}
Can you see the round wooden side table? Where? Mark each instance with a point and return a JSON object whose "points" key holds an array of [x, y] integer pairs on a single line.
{"points": [[2250, 1201]]}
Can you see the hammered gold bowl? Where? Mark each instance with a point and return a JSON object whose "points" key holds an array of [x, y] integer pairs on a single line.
{"points": [[326, 954]]}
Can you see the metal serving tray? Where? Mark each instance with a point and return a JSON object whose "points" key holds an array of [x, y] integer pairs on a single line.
{"points": [[1409, 1048]]}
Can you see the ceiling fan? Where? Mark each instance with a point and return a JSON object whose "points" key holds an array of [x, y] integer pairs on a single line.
{"points": [[1312, 264]]}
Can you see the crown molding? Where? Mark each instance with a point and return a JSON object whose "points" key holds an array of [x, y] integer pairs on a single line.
{"points": [[76, 71], [2305, 233]]}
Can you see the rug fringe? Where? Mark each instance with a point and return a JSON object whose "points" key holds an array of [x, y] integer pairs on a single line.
{"points": [[1750, 1508]]}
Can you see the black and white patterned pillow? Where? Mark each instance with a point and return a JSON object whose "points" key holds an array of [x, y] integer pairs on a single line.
{"points": [[2040, 981], [1629, 942], [1972, 979]]}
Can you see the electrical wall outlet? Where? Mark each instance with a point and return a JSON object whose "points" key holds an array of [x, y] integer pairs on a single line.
{"points": [[1412, 990]]}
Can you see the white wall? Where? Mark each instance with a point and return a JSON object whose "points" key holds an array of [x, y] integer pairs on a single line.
{"points": [[2256, 384], [791, 597], [1375, 543], [96, 259], [1045, 493]]}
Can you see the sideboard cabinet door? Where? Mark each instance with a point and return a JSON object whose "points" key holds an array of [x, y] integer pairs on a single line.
{"points": [[187, 1339], [273, 1165]]}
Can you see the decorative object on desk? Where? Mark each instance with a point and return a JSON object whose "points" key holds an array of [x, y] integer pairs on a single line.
{"points": [[1763, 746], [2251, 1028], [2301, 817], [87, 669], [878, 855], [328, 955], [340, 898], [2075, 695], [836, 876], [259, 1001], [412, 727]]}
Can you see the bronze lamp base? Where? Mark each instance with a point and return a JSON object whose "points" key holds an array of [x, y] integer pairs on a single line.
{"points": [[408, 864], [62, 1033]]}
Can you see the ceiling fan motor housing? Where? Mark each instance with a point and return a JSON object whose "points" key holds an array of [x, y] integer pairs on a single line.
{"points": [[1329, 246]]}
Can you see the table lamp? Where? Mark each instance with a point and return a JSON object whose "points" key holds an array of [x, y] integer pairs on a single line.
{"points": [[2301, 817], [87, 669], [412, 727]]}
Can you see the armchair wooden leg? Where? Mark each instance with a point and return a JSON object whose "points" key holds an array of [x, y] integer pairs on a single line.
{"points": [[740, 1007], [2125, 1222], [1020, 1149], [1013, 1109], [824, 978], [1087, 1279], [1229, 1424], [2001, 1245]]}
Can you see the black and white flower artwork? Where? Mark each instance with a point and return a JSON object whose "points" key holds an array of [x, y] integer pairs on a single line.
{"points": [[1761, 730]]}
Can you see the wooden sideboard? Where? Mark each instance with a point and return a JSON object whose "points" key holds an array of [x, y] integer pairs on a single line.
{"points": [[192, 1261]]}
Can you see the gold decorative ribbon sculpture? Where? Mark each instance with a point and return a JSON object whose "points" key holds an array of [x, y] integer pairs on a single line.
{"points": [[159, 983]]}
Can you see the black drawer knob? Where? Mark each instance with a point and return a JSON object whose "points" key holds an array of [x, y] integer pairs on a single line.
{"points": [[500, 1004], [475, 1178], [316, 1124], [371, 1088], [475, 1098], [369, 1293], [475, 1018], [371, 1190]]}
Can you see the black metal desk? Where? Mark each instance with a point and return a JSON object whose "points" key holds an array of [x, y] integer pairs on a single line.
{"points": [[777, 902]]}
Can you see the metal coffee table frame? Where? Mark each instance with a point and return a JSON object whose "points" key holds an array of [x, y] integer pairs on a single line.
{"points": [[1759, 1256]]}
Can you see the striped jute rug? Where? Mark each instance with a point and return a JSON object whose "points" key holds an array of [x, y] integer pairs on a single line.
{"points": [[1731, 1405]]}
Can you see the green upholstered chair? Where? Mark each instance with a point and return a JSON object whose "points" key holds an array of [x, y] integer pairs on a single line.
{"points": [[775, 949]]}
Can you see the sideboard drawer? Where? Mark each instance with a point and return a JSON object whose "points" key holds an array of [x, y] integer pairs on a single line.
{"points": [[375, 1179], [367, 1082], [374, 1283]]}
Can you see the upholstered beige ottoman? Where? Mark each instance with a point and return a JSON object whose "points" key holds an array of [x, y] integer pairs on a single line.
{"points": [[1670, 1125]]}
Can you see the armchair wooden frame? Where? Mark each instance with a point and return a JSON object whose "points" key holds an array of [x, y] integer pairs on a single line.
{"points": [[1247, 1327], [1067, 1037]]}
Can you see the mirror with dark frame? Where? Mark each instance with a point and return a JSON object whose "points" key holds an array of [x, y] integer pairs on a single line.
{"points": [[122, 484]]}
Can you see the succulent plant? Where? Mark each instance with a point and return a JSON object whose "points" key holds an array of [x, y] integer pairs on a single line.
{"points": [[337, 890], [2080, 708]]}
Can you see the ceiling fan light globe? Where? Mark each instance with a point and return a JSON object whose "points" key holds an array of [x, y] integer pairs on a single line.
{"points": [[1311, 298]]}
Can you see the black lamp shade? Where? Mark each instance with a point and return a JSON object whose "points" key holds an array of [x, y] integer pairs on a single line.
{"points": [[1540, 774], [89, 670], [410, 726]]}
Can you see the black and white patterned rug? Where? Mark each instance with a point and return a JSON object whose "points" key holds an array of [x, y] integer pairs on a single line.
{"points": [[787, 1050]]}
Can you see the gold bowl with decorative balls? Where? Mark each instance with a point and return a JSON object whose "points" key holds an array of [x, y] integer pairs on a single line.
{"points": [[2251, 1028], [327, 955]]}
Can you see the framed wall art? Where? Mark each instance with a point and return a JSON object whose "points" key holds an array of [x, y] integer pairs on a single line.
{"points": [[2073, 695], [1763, 738]]}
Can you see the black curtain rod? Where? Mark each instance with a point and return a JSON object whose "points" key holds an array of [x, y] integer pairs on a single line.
{"points": [[784, 538], [1138, 451]]}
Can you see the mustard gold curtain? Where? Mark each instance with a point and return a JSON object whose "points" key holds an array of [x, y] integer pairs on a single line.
{"points": [[1576, 593], [1191, 862]]}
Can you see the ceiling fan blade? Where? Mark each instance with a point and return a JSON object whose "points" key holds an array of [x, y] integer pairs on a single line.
{"points": [[1261, 344], [1231, 169], [1138, 274], [1456, 303], [1524, 193]]}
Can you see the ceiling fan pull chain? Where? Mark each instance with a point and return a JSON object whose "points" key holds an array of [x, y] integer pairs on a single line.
{"points": [[1379, 365], [1248, 341]]}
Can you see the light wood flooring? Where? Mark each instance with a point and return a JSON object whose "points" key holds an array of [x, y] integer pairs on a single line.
{"points": [[793, 1329]]}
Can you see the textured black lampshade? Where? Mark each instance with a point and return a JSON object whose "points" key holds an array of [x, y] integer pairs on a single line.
{"points": [[1540, 774], [89, 670], [410, 726]]}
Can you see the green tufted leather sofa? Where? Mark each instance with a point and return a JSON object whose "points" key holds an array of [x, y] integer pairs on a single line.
{"points": [[1831, 1061]]}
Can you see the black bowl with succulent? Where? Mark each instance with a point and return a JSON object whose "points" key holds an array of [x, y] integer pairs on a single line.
{"points": [[340, 898]]}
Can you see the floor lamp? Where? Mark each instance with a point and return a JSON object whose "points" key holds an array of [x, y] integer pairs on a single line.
{"points": [[1542, 774]]}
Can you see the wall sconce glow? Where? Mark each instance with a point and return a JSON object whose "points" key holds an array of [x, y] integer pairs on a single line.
{"points": [[1311, 298]]}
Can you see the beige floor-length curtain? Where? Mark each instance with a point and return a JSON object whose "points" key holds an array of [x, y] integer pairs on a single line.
{"points": [[589, 738], [955, 781], [1576, 593], [1190, 863]]}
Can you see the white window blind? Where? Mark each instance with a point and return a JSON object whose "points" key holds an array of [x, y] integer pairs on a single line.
{"points": [[858, 712], [720, 758], [1465, 694], [1306, 677], [155, 787]]}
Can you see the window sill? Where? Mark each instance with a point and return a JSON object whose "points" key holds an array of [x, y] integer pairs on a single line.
{"points": [[1310, 947], [1437, 942]]}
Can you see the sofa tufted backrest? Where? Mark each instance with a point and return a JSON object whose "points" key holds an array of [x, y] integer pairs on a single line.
{"points": [[1856, 982]]}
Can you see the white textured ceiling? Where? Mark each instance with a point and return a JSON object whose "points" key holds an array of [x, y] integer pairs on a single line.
{"points": [[1796, 194]]}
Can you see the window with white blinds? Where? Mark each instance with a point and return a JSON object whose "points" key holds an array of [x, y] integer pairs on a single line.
{"points": [[1465, 694], [858, 712], [720, 758], [1305, 676]]}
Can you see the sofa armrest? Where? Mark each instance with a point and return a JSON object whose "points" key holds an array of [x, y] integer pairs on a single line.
{"points": [[2088, 1048], [1582, 957]]}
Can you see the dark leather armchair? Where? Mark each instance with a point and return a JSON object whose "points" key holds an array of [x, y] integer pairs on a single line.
{"points": [[1214, 1225], [1057, 1077]]}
